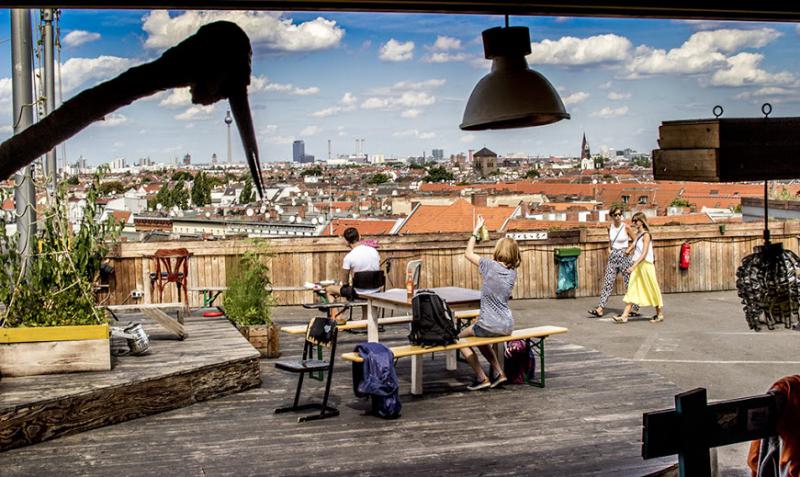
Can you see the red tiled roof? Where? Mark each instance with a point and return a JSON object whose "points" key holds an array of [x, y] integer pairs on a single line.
{"points": [[8, 204], [364, 226], [459, 216], [335, 205], [121, 215]]}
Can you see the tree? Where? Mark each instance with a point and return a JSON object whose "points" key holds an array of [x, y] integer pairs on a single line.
{"points": [[312, 171], [201, 190], [73, 180], [181, 175], [438, 174], [532, 174], [378, 179], [677, 202], [164, 197], [247, 195], [112, 187], [180, 196]]}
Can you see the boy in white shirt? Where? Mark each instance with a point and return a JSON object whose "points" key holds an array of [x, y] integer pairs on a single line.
{"points": [[362, 258]]}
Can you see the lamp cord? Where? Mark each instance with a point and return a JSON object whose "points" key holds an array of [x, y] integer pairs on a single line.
{"points": [[506, 21]]}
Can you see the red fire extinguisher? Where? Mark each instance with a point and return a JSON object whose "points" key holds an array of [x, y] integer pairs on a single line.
{"points": [[686, 256]]}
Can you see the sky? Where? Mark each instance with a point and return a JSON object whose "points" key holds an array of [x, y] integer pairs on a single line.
{"points": [[400, 82]]}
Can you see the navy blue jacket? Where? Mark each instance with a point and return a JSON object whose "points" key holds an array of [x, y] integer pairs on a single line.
{"points": [[377, 378]]}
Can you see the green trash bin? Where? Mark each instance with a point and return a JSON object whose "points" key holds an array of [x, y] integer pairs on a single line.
{"points": [[567, 260]]}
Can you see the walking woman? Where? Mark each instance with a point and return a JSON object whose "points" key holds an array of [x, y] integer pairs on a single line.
{"points": [[643, 289], [619, 261]]}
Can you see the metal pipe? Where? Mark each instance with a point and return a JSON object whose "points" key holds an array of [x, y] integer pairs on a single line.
{"points": [[766, 214], [22, 110], [49, 90]]}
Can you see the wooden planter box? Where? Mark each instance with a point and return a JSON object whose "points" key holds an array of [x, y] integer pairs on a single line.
{"points": [[264, 338], [728, 150], [54, 349]]}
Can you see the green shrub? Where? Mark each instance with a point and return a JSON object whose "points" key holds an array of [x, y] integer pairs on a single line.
{"points": [[55, 287], [248, 300]]}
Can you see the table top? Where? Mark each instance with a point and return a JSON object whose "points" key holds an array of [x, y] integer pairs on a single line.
{"points": [[452, 295]]}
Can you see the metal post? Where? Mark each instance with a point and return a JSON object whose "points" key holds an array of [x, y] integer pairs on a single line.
{"points": [[766, 213], [22, 85], [49, 91]]}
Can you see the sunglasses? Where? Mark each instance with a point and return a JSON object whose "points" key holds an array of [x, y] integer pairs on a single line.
{"points": [[616, 215]]}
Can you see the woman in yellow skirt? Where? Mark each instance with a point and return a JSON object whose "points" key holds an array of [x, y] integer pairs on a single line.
{"points": [[643, 289]]}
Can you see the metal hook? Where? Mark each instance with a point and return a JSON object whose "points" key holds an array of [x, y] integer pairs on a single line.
{"points": [[717, 111], [766, 108]]}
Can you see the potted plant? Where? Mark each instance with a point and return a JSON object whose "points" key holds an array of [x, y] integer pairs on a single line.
{"points": [[248, 304], [49, 322]]}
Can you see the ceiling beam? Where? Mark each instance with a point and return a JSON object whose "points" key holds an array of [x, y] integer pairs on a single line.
{"points": [[763, 10]]}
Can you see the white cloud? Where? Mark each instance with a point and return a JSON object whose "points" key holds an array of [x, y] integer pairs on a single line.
{"points": [[407, 100], [743, 70], [442, 51], [576, 97], [196, 112], [6, 94], [113, 119], [444, 57], [573, 51], [616, 96], [280, 139], [415, 133], [80, 37], [6, 129], [703, 52], [410, 113], [605, 85], [177, 98], [446, 43], [417, 86], [324, 113], [348, 99], [348, 103], [611, 112], [393, 50], [76, 72], [772, 94], [305, 91], [270, 30], [310, 131], [262, 84], [468, 138]]}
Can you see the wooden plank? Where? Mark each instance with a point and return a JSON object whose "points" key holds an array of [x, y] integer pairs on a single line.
{"points": [[686, 164], [53, 333], [689, 135], [53, 357], [166, 322]]}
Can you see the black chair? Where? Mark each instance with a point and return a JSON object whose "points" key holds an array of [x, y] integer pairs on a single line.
{"points": [[366, 281], [321, 332]]}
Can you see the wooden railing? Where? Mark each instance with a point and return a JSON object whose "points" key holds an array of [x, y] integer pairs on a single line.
{"points": [[715, 256]]}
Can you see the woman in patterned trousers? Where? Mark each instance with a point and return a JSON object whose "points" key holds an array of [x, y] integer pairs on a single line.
{"points": [[619, 261]]}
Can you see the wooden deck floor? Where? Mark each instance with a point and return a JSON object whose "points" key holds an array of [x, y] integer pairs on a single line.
{"points": [[587, 421], [215, 360]]}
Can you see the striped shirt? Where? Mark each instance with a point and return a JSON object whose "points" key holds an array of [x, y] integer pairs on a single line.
{"points": [[498, 282]]}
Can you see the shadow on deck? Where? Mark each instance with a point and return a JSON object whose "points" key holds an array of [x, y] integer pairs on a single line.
{"points": [[587, 421]]}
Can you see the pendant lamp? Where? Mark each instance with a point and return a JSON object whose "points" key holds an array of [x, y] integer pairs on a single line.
{"points": [[512, 95]]}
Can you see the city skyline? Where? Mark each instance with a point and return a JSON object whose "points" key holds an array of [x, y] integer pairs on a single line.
{"points": [[399, 82]]}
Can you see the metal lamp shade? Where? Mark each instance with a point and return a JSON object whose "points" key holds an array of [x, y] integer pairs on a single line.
{"points": [[511, 95]]}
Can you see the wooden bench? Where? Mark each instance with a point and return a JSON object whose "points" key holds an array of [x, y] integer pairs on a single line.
{"points": [[392, 320], [535, 336]]}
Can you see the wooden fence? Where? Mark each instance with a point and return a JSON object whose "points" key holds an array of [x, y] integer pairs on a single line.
{"points": [[716, 254]]}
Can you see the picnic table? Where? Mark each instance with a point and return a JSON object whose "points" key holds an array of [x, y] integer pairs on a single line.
{"points": [[397, 300]]}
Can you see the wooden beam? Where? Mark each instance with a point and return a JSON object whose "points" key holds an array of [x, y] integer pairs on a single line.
{"points": [[166, 322], [767, 10]]}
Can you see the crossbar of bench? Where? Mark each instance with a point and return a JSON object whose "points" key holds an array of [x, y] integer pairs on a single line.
{"points": [[412, 350]]}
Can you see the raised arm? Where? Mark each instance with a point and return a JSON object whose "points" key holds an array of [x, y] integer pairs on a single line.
{"points": [[470, 252]]}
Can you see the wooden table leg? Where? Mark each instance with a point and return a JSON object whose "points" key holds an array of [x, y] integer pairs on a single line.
{"points": [[372, 323], [416, 374]]}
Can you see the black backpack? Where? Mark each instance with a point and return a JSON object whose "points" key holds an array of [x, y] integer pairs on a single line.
{"points": [[432, 322]]}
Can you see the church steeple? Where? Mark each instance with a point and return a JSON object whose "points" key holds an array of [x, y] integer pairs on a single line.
{"points": [[585, 153]]}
